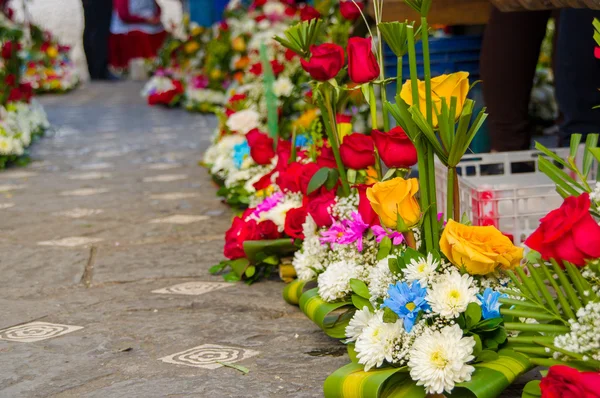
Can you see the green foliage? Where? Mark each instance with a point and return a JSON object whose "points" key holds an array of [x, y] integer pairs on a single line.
{"points": [[301, 36]]}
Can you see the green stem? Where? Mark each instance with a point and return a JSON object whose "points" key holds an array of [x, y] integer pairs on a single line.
{"points": [[450, 193], [373, 106], [427, 69], [386, 118], [333, 140], [399, 76], [293, 154]]}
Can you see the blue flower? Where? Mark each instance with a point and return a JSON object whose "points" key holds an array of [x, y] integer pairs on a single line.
{"points": [[240, 152], [303, 140], [490, 307], [407, 302]]}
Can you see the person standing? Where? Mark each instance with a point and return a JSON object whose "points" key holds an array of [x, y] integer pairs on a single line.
{"points": [[135, 31], [97, 16]]}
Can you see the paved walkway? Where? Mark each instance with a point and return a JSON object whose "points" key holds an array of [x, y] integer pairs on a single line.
{"points": [[97, 237]]}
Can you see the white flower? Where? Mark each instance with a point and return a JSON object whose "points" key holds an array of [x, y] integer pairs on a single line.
{"points": [[243, 121], [450, 294], [334, 282], [377, 341], [6, 145], [380, 279], [438, 359], [283, 87], [309, 261], [595, 194], [274, 8], [358, 323], [278, 213], [421, 270]]}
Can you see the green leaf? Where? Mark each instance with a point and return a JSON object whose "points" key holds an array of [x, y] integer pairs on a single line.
{"points": [[394, 34], [231, 277], [361, 302], [360, 288], [241, 368], [239, 266], [478, 345], [218, 268], [473, 314], [560, 178], [488, 324], [318, 179], [394, 267], [332, 179], [385, 246], [532, 389], [331, 317], [389, 316], [487, 356], [250, 271], [574, 144], [590, 142]]}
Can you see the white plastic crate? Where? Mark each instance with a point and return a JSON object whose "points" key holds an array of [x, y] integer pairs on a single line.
{"points": [[512, 202]]}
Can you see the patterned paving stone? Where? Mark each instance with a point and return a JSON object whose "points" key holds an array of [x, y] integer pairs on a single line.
{"points": [[193, 288], [78, 212], [36, 331], [6, 205], [174, 195], [84, 192], [163, 166], [166, 178], [96, 166], [10, 187], [209, 356], [90, 176], [18, 174]]}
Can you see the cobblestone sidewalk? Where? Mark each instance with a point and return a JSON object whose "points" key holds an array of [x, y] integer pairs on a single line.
{"points": [[105, 243]]}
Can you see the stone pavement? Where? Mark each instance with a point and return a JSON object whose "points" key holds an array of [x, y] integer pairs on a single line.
{"points": [[94, 234]]}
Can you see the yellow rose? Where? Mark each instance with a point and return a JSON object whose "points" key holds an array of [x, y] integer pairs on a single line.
{"points": [[343, 130], [306, 119], [395, 197], [191, 46], [480, 250], [444, 86], [52, 52], [238, 44]]}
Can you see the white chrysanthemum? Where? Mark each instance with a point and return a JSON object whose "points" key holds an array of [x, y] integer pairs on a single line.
{"points": [[283, 87], [334, 282], [6, 145], [450, 294], [278, 212], [243, 121], [377, 341], [358, 323], [439, 359], [380, 279], [421, 270], [205, 96], [309, 261]]}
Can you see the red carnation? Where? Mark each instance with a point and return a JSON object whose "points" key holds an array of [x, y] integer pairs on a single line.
{"points": [[395, 148], [357, 151]]}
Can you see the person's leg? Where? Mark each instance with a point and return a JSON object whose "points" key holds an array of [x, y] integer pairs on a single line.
{"points": [[509, 54], [104, 16], [88, 32], [577, 74]]}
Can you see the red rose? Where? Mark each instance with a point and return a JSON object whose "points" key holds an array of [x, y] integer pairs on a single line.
{"points": [[284, 151], [395, 148], [566, 382], [264, 182], [236, 97], [223, 25], [166, 97], [260, 18], [259, 3], [289, 178], [325, 61], [319, 209], [14, 95], [568, 233], [291, 11], [26, 91], [597, 52], [257, 68], [261, 147], [268, 230], [10, 80], [357, 151], [326, 158], [239, 232], [308, 12], [293, 223], [350, 11], [362, 64], [364, 206], [343, 118], [44, 46], [9, 48]]}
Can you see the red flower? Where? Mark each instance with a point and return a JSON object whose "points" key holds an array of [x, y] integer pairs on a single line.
{"points": [[257, 68], [357, 151], [325, 62], [284, 151], [9, 48], [289, 178], [166, 97], [259, 3], [261, 147], [318, 207], [260, 18], [350, 11], [308, 12], [566, 382], [291, 11], [239, 232], [26, 91], [223, 25], [364, 206], [568, 233], [307, 172], [395, 148], [343, 118], [326, 158], [44, 46], [268, 230], [597, 52], [293, 223], [362, 64], [290, 55], [10, 80], [236, 97], [14, 95], [264, 182]]}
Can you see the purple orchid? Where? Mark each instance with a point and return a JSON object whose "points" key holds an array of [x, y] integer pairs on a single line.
{"points": [[355, 229], [381, 233]]}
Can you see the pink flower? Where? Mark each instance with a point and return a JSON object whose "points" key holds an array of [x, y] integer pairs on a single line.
{"points": [[355, 229], [268, 203], [333, 234], [200, 81], [381, 233]]}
